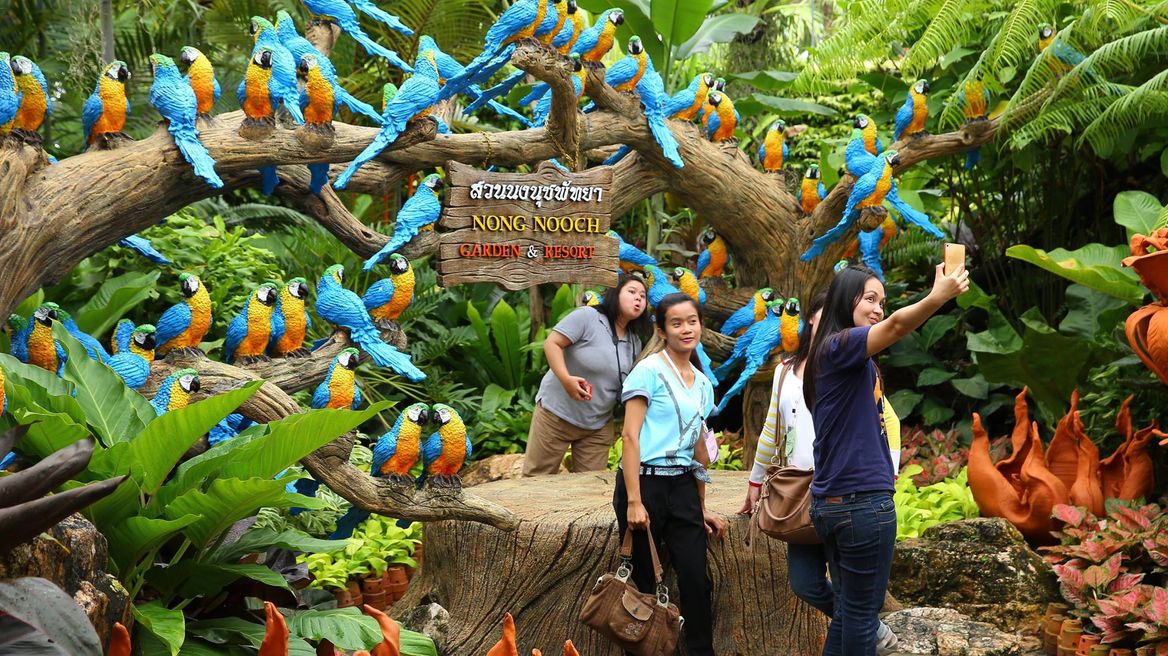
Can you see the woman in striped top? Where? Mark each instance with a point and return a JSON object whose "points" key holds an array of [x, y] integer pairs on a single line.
{"points": [[788, 416]]}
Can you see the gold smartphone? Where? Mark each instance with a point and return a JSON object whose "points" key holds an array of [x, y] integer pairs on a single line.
{"points": [[954, 257]]}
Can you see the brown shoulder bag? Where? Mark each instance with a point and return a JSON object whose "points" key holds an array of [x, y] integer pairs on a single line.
{"points": [[783, 510], [642, 623]]}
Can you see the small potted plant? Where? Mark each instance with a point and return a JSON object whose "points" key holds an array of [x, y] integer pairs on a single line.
{"points": [[332, 574]]}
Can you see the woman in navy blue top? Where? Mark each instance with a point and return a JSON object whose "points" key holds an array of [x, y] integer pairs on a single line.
{"points": [[851, 504]]}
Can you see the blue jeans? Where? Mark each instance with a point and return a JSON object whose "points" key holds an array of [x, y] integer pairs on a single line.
{"points": [[807, 572], [858, 533]]}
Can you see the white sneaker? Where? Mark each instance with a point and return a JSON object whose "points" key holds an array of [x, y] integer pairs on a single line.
{"points": [[885, 640]]}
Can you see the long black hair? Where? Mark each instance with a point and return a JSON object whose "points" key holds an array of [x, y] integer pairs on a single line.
{"points": [[805, 336], [610, 306], [838, 316], [663, 307]]}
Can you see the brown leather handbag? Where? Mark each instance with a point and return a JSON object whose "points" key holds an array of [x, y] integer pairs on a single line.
{"points": [[642, 623], [783, 510]]}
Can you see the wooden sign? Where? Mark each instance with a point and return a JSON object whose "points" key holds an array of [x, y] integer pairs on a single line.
{"points": [[519, 230]]}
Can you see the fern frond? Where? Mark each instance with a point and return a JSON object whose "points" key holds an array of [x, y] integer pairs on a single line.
{"points": [[1018, 38], [907, 248], [1121, 55], [947, 27], [862, 38], [1063, 118], [1147, 102], [1032, 93]]}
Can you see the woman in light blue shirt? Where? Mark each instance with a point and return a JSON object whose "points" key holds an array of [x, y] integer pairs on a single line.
{"points": [[661, 483]]}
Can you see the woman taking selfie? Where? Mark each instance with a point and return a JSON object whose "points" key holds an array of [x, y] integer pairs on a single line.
{"points": [[851, 505], [589, 353], [660, 485]]}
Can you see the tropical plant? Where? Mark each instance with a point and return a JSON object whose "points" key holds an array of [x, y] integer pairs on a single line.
{"points": [[167, 524], [41, 618], [1111, 570], [937, 453], [919, 508]]}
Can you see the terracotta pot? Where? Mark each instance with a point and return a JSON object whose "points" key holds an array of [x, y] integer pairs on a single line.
{"points": [[374, 599], [1146, 650], [372, 584], [344, 598], [1149, 259], [396, 582], [354, 587], [1069, 635], [417, 556], [1098, 650], [1122, 651], [1086, 641]]}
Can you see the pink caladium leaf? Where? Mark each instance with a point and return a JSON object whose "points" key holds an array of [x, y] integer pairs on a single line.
{"points": [[1097, 577], [1130, 518], [1124, 582], [1071, 584], [1070, 515], [1113, 628], [1157, 608]]}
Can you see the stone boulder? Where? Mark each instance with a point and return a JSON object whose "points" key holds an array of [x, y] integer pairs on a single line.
{"points": [[945, 632], [981, 567], [432, 620], [73, 555]]}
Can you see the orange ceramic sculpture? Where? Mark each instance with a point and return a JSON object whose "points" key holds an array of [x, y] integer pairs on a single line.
{"points": [[119, 644], [276, 633], [1147, 327], [1024, 487], [390, 633], [506, 645]]}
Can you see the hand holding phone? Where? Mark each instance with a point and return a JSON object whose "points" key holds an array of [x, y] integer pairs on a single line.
{"points": [[954, 257]]}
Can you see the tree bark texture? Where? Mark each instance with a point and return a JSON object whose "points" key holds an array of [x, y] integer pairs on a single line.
{"points": [[567, 537], [51, 217]]}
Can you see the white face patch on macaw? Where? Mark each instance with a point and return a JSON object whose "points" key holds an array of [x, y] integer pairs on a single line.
{"points": [[189, 383], [417, 414], [442, 416]]}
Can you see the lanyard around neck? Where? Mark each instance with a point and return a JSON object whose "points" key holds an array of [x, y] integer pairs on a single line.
{"points": [[678, 371]]}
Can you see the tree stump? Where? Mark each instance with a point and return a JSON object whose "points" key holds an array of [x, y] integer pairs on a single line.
{"points": [[543, 571]]}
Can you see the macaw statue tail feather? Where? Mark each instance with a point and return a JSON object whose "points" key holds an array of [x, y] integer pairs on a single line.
{"points": [[707, 365], [195, 153], [496, 91], [738, 385], [374, 48], [972, 158], [291, 102], [269, 179], [356, 104], [320, 177], [536, 93], [384, 138], [385, 355], [392, 22], [349, 522], [143, 247], [503, 110], [665, 139], [617, 156], [913, 216]]}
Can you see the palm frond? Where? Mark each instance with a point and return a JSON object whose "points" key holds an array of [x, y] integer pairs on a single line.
{"points": [[1147, 102], [1018, 35], [949, 25]]}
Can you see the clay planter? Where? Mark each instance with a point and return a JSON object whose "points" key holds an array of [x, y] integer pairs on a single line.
{"points": [[417, 556], [1069, 636], [396, 583], [372, 584], [374, 599], [1086, 641], [1147, 327], [1098, 650], [344, 597], [1124, 651]]}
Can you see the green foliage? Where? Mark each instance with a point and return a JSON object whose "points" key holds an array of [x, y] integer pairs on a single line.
{"points": [[51, 613], [920, 508], [377, 543], [1094, 265]]}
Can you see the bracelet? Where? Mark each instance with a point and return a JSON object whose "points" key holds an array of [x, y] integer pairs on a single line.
{"points": [[753, 484]]}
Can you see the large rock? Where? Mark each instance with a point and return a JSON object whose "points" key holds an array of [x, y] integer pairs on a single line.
{"points": [[980, 567], [73, 555], [945, 632], [432, 620]]}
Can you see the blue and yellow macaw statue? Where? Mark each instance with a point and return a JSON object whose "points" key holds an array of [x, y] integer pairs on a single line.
{"points": [[624, 75], [250, 331], [34, 343], [259, 101], [339, 387], [103, 118], [183, 325], [35, 101], [340, 13], [869, 191], [871, 242], [910, 118], [93, 347], [445, 451], [774, 150], [631, 258], [319, 103], [300, 46], [687, 283], [571, 31], [1061, 56], [394, 456], [721, 117], [290, 321], [651, 90], [714, 255], [752, 312], [120, 338], [549, 28], [974, 100], [282, 85], [201, 78], [10, 95], [175, 391], [685, 104], [176, 101], [387, 298], [413, 100], [755, 345], [658, 284], [417, 214], [591, 45], [517, 22], [448, 69], [133, 362], [590, 298], [811, 189], [342, 307], [791, 325]]}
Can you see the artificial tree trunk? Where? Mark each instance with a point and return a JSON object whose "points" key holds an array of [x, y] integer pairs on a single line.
{"points": [[51, 217]]}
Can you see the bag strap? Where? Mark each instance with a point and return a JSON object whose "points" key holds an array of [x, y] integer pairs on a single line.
{"points": [[781, 446], [626, 552]]}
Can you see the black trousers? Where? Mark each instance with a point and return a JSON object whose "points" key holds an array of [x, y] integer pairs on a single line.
{"points": [[677, 525]]}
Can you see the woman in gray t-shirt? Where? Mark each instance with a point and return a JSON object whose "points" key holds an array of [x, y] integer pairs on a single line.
{"points": [[589, 353]]}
